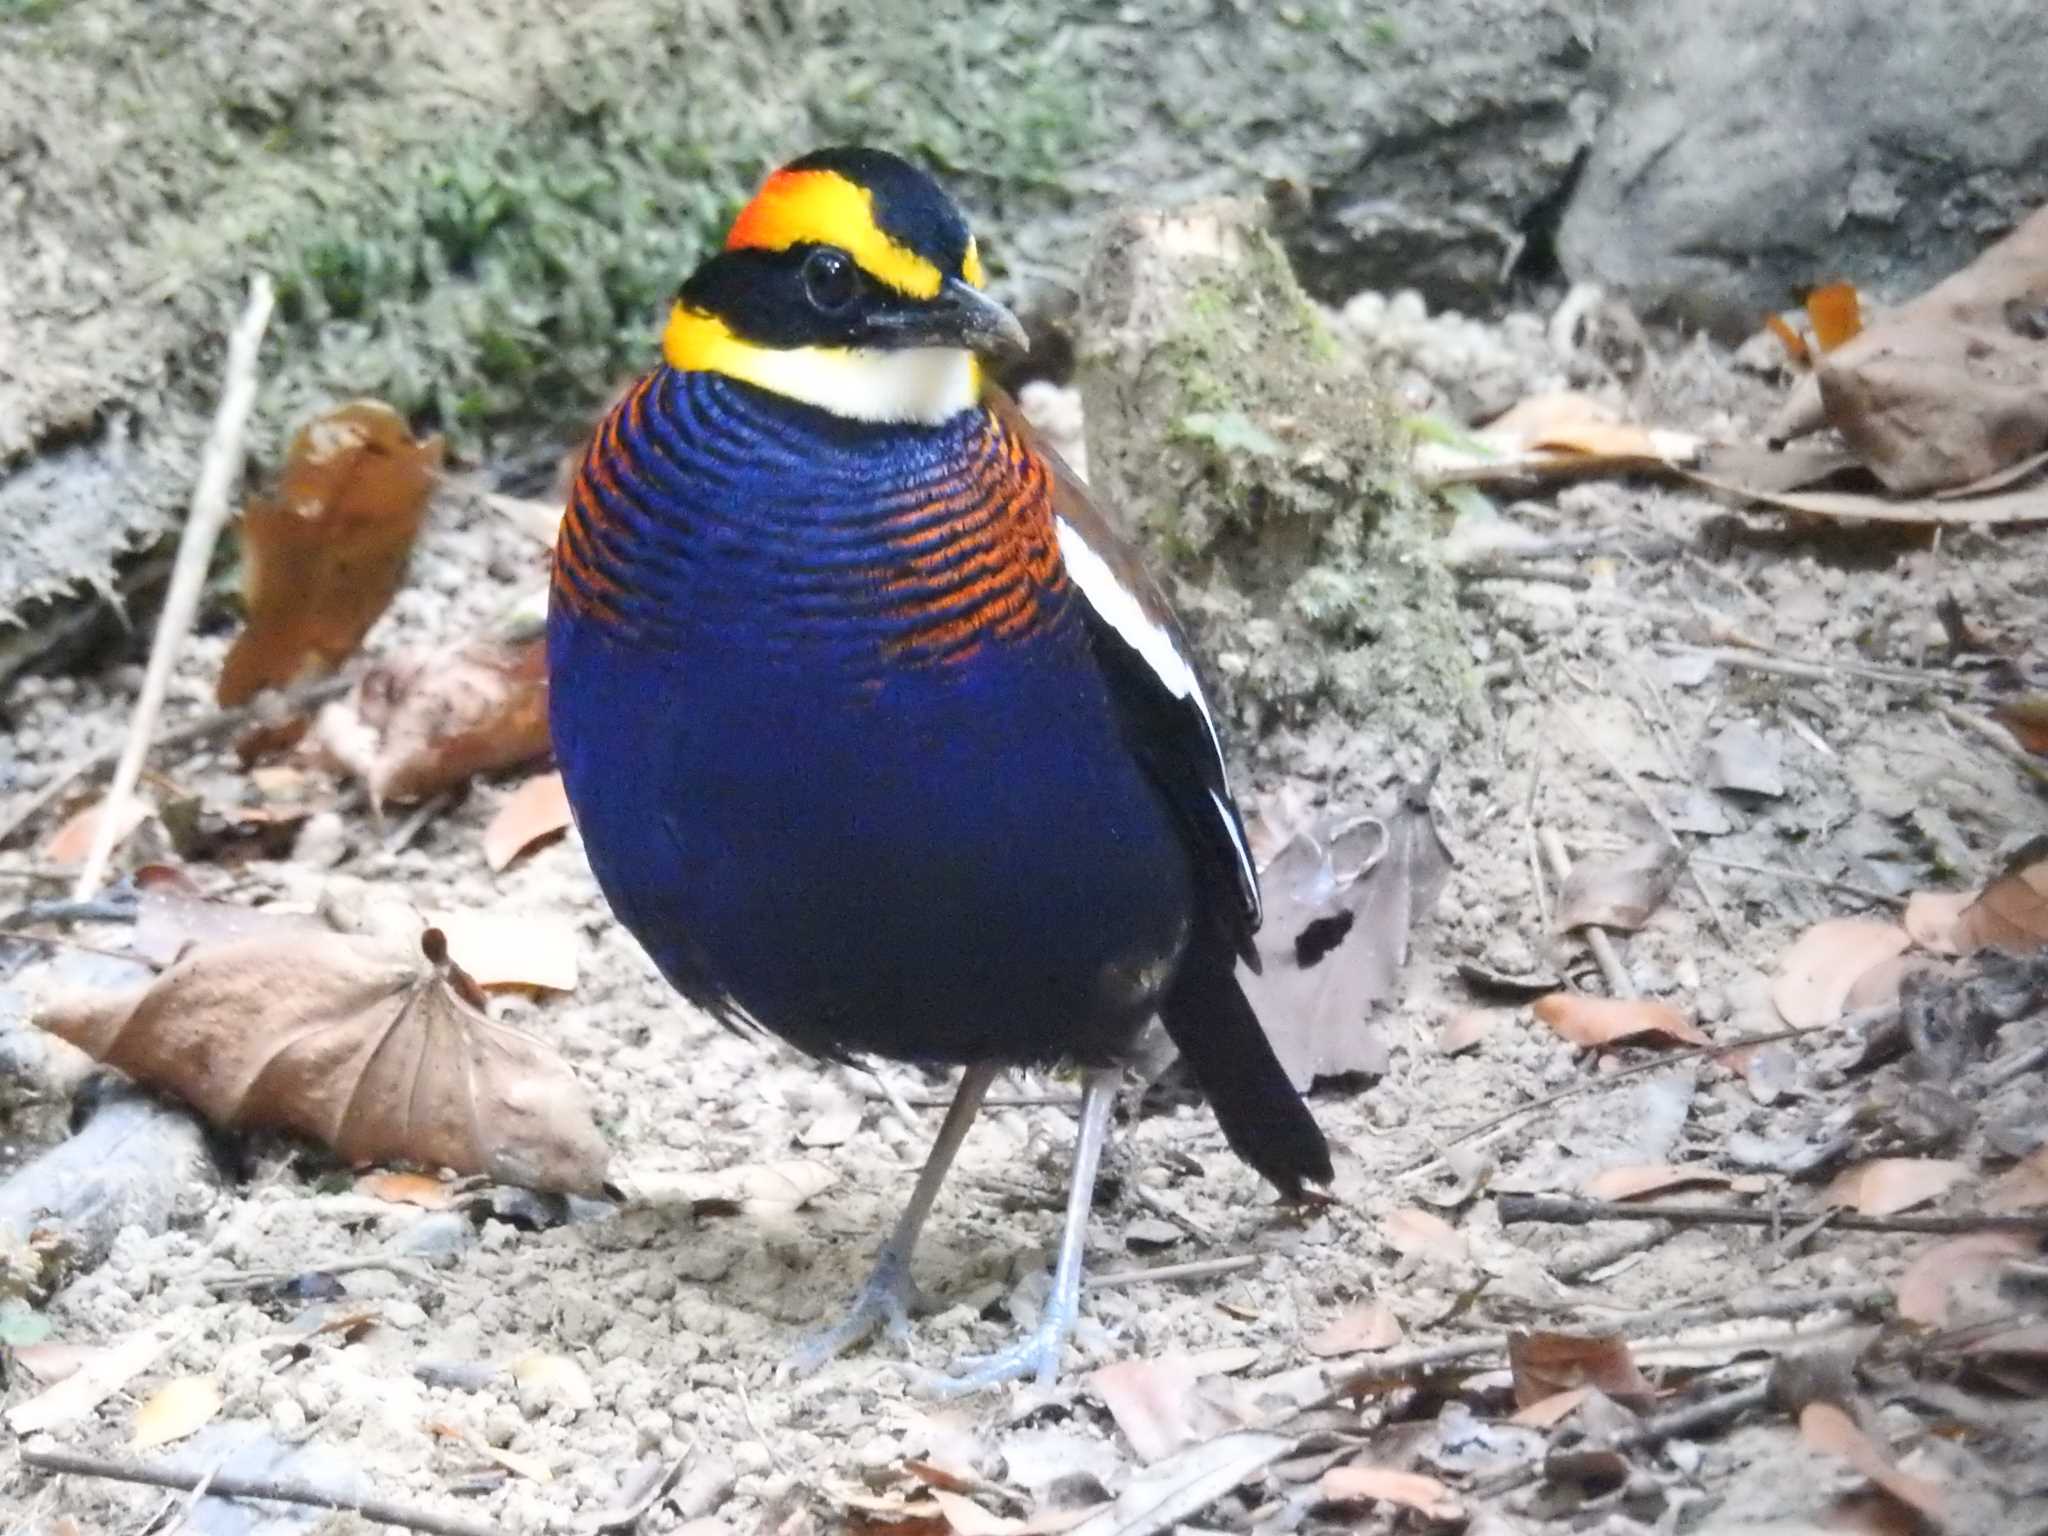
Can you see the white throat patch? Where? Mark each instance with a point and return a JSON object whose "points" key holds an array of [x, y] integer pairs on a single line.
{"points": [[916, 384]]}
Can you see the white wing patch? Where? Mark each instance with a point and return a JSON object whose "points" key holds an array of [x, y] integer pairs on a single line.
{"points": [[1118, 607]]}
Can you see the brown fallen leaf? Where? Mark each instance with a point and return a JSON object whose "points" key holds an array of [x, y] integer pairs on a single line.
{"points": [[430, 720], [535, 811], [1155, 1404], [1604, 1021], [171, 917], [72, 841], [1620, 892], [178, 1408], [1416, 1233], [1549, 1412], [1647, 1179], [2027, 718], [1464, 1031], [2012, 911], [1340, 906], [1888, 1185], [2023, 1186], [373, 1043], [401, 1188], [99, 1376], [1410, 1490], [967, 1518], [1545, 1364], [323, 556], [1828, 1430], [1931, 918], [1817, 973], [1928, 1286], [1836, 313], [1369, 1325], [512, 949]]}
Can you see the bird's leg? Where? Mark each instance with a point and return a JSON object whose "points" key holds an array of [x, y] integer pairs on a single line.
{"points": [[890, 1295], [1038, 1352]]}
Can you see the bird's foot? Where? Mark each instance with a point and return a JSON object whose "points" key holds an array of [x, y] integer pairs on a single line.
{"points": [[884, 1305], [1036, 1355]]}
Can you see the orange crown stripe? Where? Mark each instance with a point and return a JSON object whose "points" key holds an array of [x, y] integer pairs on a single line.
{"points": [[824, 208]]}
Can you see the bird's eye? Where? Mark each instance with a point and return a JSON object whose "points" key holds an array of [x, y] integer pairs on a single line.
{"points": [[830, 281]]}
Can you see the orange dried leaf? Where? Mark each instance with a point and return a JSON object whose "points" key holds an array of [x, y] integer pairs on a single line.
{"points": [[1929, 1283], [1888, 1185], [1836, 314], [178, 1408], [536, 810], [1646, 1179], [1602, 1021], [400, 1188], [1817, 973], [1549, 1412], [1828, 1430], [372, 1043], [1545, 1364], [512, 949], [2027, 718], [1369, 1325], [428, 721], [1794, 344], [1931, 919], [1410, 1490], [2012, 912], [1411, 1232], [72, 842], [323, 557]]}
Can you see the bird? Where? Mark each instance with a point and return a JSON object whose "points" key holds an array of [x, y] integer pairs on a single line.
{"points": [[877, 736]]}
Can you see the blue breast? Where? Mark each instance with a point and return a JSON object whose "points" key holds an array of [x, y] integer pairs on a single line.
{"points": [[836, 738]]}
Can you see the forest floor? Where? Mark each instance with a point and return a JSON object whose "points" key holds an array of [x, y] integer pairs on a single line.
{"points": [[1781, 696]]}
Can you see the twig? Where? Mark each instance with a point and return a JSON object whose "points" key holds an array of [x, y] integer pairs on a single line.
{"points": [[242, 1280], [1754, 656], [1194, 1269], [1529, 843], [627, 1516], [199, 1491], [1578, 1212], [282, 1490], [1994, 733], [1710, 1413], [1591, 1085], [1522, 570], [906, 1117], [1779, 872], [739, 1380], [1166, 1210], [1609, 1253], [1618, 980], [218, 471]]}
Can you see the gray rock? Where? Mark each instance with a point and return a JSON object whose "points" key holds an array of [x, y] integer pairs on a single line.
{"points": [[1756, 147]]}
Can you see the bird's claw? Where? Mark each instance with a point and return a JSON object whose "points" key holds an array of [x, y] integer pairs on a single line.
{"points": [[1036, 1355], [885, 1304]]}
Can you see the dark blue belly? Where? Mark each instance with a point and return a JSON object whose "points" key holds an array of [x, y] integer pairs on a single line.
{"points": [[953, 863]]}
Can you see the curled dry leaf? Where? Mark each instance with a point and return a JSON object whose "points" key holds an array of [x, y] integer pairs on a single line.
{"points": [[535, 811], [1646, 1179], [1828, 1430], [429, 720], [1411, 1490], [1411, 1233], [1545, 1364], [1817, 974], [1888, 1185], [174, 1410], [373, 1043], [1928, 1287], [1602, 1021], [96, 1378], [1622, 892], [2012, 912], [323, 557], [1931, 918], [1369, 1325]]}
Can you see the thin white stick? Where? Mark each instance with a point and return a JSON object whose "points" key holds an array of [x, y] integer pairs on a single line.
{"points": [[218, 471]]}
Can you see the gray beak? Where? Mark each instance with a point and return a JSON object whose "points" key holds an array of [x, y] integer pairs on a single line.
{"points": [[959, 316]]}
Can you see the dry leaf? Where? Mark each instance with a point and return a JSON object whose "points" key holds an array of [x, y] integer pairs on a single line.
{"points": [[427, 721], [2027, 718], [1155, 1404], [2012, 912], [535, 811], [1888, 1185], [1929, 1283], [968, 1518], [72, 842], [174, 1410], [1646, 1179], [172, 917], [1816, 974], [1369, 1325], [373, 1043], [1411, 1233], [102, 1374], [1602, 1021], [1622, 892], [420, 1189], [747, 1189], [553, 1379], [1161, 1496], [1545, 1364], [1464, 1031], [1836, 314], [1742, 758], [1931, 918], [1411, 1490], [1828, 1430], [2022, 1187], [49, 1361], [323, 557], [1796, 350], [1549, 1412], [1340, 906], [512, 949]]}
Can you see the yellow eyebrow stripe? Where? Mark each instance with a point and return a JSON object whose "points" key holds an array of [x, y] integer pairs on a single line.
{"points": [[824, 208]]}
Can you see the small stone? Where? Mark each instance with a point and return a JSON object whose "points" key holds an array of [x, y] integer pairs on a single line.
{"points": [[1149, 1232], [441, 1234]]}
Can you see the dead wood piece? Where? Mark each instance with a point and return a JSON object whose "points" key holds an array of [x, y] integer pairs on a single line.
{"points": [[1578, 1212]]}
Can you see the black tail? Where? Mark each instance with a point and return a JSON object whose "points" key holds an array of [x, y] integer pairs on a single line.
{"points": [[1263, 1118]]}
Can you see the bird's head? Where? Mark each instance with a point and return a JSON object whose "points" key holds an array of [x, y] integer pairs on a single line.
{"points": [[850, 282]]}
